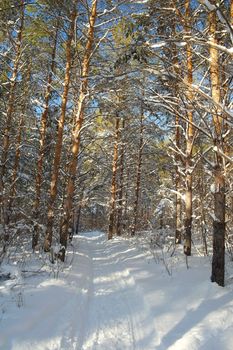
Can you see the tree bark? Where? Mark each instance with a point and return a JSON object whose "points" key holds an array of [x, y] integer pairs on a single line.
{"points": [[58, 146], [111, 226], [189, 138], [12, 193], [9, 199], [218, 260], [77, 130], [178, 159], [121, 185], [138, 179], [125, 223], [40, 161], [178, 187], [10, 108]]}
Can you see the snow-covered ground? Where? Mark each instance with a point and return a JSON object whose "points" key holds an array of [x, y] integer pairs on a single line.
{"points": [[115, 295]]}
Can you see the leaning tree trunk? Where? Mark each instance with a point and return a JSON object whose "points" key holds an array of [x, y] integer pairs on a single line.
{"points": [[138, 179], [10, 108], [218, 260], [58, 146], [77, 130], [189, 138], [44, 118]]}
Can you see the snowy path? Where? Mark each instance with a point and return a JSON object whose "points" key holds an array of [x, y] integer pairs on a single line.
{"points": [[116, 314], [115, 297], [95, 306]]}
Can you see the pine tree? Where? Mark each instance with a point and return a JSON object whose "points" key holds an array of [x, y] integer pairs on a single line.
{"points": [[61, 123]]}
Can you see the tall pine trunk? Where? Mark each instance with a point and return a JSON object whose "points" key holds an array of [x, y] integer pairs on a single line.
{"points": [[10, 110], [218, 260], [138, 179], [189, 138], [40, 161], [77, 130], [178, 158], [18, 146], [111, 226], [58, 146], [121, 185], [178, 208]]}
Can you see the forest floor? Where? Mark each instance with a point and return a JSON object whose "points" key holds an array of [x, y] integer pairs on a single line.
{"points": [[115, 295]]}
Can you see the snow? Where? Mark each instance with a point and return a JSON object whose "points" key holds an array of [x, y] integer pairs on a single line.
{"points": [[210, 6], [116, 295], [158, 44], [141, 1]]}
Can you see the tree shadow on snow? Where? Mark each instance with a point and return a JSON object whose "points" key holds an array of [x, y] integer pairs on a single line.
{"points": [[192, 318]]}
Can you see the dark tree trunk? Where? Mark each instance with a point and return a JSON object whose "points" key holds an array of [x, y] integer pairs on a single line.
{"points": [[111, 227], [121, 185], [218, 261], [189, 140], [44, 121], [138, 179], [10, 111]]}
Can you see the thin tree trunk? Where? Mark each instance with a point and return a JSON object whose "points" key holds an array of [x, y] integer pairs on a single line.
{"points": [[218, 260], [10, 108], [126, 198], [202, 208], [178, 203], [17, 156], [9, 200], [12, 193], [77, 221], [77, 129], [111, 226], [58, 146], [44, 118], [121, 185], [138, 179], [178, 187], [189, 139]]}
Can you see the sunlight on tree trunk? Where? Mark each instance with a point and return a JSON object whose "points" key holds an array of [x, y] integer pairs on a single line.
{"points": [[58, 147], [218, 261], [77, 130], [189, 138]]}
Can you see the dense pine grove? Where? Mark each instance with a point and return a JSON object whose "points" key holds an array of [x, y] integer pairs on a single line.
{"points": [[117, 116]]}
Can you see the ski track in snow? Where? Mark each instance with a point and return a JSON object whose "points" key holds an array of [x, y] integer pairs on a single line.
{"points": [[96, 307], [114, 297], [116, 311]]}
